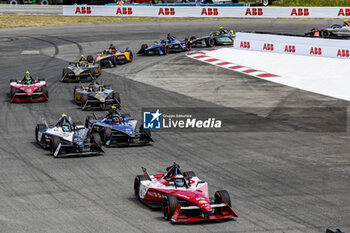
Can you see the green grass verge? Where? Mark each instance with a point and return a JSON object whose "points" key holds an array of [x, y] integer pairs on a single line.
{"points": [[12, 21]]}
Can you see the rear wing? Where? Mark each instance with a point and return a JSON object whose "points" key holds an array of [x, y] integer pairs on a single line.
{"points": [[145, 173]]}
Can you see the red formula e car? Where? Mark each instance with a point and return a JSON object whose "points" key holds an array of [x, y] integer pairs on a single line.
{"points": [[182, 196], [28, 90]]}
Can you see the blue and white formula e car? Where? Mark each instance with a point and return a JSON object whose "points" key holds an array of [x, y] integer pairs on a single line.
{"points": [[66, 137], [117, 129], [171, 44]]}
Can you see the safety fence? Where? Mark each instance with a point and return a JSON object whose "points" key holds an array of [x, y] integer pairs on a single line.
{"points": [[309, 46]]}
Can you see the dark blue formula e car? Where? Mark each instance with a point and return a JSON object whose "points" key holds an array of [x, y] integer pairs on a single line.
{"points": [[171, 44], [118, 129]]}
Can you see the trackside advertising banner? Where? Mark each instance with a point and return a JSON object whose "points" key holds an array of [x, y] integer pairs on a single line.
{"points": [[231, 12], [293, 45]]}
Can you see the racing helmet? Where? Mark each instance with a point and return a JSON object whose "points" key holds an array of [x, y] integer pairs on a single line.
{"points": [[66, 127], [221, 27], [179, 180], [82, 56]]}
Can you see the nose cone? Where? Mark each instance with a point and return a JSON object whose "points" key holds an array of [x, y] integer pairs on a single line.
{"points": [[205, 206]]}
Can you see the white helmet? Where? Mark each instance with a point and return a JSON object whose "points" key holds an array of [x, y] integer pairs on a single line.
{"points": [[179, 180]]}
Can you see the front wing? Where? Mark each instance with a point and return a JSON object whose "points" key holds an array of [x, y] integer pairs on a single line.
{"points": [[225, 212]]}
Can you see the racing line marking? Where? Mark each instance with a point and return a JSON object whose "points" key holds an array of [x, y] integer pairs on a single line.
{"points": [[202, 56]]}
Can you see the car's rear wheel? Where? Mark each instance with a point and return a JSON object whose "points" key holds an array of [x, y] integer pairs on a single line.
{"points": [[116, 97], [209, 42], [221, 196], [189, 174], [54, 143], [37, 129], [96, 142], [84, 100], [137, 184], [265, 2], [88, 119], [169, 206], [193, 38], [90, 59]]}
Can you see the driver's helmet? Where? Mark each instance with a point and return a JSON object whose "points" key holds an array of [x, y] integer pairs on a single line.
{"points": [[28, 78], [170, 37], [179, 180], [346, 23], [66, 127], [94, 87]]}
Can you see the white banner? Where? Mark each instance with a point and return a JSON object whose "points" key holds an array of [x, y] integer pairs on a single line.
{"points": [[293, 45], [231, 12]]}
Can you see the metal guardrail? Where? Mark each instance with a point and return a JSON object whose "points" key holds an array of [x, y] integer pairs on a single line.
{"points": [[31, 9]]}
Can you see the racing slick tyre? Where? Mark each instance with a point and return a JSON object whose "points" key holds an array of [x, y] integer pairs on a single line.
{"points": [[169, 206], [114, 61], [193, 38], [336, 26], [188, 46], [54, 143], [96, 142], [221, 196], [88, 119], [37, 129], [45, 92], [145, 134], [90, 59], [84, 100], [165, 49], [143, 49], [14, 2], [116, 97], [74, 91], [325, 34], [137, 184], [45, 2], [106, 134], [108, 86], [41, 79], [265, 2], [189, 174], [12, 92], [209, 42]]}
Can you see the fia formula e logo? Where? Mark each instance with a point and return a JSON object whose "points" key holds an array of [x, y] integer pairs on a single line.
{"points": [[151, 120]]}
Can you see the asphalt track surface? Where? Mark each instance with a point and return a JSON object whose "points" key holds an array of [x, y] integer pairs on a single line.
{"points": [[289, 180]]}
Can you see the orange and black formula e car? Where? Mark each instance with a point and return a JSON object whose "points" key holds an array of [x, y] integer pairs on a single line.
{"points": [[112, 57]]}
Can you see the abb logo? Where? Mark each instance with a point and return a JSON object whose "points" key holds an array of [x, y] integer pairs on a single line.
{"points": [[343, 53], [254, 11], [268, 47], [84, 10], [124, 11], [166, 11], [289, 49], [210, 11], [344, 12], [316, 51], [245, 44], [300, 12]]}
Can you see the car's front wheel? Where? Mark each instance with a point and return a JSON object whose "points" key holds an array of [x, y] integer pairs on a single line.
{"points": [[137, 184], [169, 206], [54, 143]]}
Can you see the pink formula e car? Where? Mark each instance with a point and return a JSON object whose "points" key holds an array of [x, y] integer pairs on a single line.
{"points": [[182, 196], [28, 90]]}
